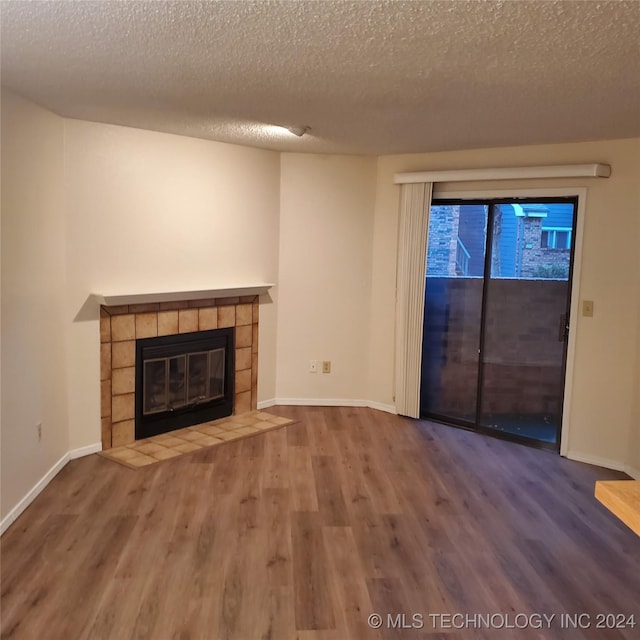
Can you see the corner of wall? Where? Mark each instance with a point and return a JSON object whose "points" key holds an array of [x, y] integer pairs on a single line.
{"points": [[324, 282]]}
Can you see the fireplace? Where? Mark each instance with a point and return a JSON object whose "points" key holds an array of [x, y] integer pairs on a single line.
{"points": [[123, 326], [182, 380]]}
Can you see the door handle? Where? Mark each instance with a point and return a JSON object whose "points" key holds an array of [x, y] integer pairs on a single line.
{"points": [[563, 328]]}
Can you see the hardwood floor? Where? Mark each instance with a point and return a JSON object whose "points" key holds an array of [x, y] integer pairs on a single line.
{"points": [[303, 532]]}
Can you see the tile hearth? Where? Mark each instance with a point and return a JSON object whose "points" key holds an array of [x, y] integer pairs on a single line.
{"points": [[142, 453]]}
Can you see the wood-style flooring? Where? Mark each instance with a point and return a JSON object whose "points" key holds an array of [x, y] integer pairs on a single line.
{"points": [[304, 532]]}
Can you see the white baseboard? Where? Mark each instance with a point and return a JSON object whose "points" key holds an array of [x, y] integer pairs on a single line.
{"points": [[37, 489], [632, 471], [388, 408], [321, 402], [328, 402], [597, 460], [85, 451], [12, 516]]}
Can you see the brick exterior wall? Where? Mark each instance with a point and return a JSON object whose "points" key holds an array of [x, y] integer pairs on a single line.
{"points": [[535, 259], [443, 240], [532, 260]]}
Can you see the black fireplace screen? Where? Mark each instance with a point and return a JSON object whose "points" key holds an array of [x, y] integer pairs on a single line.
{"points": [[177, 381], [183, 380]]}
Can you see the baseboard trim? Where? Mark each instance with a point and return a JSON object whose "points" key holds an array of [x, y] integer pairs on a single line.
{"points": [[632, 471], [37, 489], [321, 402], [331, 402], [380, 406], [265, 404], [587, 458], [85, 451]]}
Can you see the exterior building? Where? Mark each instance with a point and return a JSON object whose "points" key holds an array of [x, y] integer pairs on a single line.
{"points": [[530, 240]]}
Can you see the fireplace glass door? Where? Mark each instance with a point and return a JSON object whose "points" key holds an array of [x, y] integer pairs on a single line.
{"points": [[183, 380], [175, 382]]}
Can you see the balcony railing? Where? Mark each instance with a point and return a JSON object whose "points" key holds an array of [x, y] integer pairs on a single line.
{"points": [[462, 259]]}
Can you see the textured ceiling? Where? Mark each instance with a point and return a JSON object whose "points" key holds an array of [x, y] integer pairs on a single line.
{"points": [[370, 77]]}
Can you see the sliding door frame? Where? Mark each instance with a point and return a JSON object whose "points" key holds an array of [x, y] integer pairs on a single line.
{"points": [[442, 193]]}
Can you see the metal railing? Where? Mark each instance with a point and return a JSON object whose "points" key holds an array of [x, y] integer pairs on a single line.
{"points": [[462, 259]]}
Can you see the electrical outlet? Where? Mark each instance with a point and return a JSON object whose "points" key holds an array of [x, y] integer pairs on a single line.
{"points": [[326, 366], [313, 366], [39, 430]]}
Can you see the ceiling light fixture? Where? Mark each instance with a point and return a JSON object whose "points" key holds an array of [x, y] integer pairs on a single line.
{"points": [[298, 131]]}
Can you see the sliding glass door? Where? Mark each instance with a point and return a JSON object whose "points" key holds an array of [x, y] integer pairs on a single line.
{"points": [[497, 296], [453, 310]]}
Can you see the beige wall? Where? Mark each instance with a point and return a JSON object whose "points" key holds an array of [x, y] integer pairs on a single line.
{"points": [[34, 384], [150, 211], [603, 384], [79, 198], [633, 460], [326, 210]]}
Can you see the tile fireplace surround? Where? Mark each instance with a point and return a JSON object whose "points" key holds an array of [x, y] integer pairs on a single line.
{"points": [[121, 325]]}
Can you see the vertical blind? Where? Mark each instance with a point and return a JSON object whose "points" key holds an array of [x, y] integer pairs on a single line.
{"points": [[415, 202]]}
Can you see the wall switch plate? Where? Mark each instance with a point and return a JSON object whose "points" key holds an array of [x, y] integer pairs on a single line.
{"points": [[313, 366], [587, 308], [326, 366]]}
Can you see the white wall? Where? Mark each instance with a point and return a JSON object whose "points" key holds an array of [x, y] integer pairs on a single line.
{"points": [[604, 380], [324, 283], [633, 461], [79, 198], [34, 385], [149, 211]]}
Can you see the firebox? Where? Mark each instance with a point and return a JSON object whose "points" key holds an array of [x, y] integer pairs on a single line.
{"points": [[183, 380]]}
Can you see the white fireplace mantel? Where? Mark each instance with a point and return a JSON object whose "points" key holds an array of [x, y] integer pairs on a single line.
{"points": [[117, 299]]}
